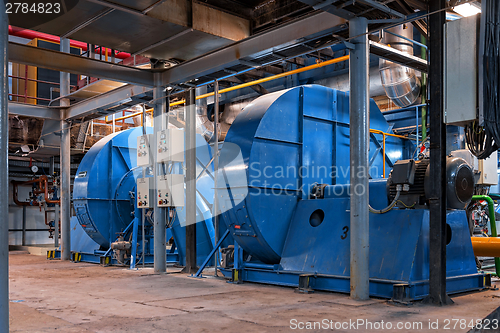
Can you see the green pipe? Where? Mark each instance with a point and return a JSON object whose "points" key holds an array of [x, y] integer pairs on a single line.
{"points": [[423, 53], [493, 223]]}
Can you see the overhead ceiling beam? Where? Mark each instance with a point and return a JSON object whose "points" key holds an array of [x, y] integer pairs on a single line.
{"points": [[106, 101], [394, 55], [33, 111], [316, 23], [65, 62]]}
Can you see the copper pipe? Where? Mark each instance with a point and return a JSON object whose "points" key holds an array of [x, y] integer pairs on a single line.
{"points": [[43, 187], [15, 197]]}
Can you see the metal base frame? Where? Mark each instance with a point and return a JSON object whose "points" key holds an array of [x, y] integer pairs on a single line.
{"points": [[398, 291], [107, 260]]}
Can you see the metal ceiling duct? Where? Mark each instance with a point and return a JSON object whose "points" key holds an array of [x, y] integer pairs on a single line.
{"points": [[400, 83]]}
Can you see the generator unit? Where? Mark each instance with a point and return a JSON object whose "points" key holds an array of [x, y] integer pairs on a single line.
{"points": [[291, 219]]}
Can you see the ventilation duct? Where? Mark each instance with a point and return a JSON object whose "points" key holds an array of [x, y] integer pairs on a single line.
{"points": [[400, 83]]}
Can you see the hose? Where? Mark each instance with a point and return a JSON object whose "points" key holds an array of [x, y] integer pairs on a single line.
{"points": [[391, 206]]}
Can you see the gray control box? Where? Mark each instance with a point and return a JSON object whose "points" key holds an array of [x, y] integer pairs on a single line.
{"points": [[144, 157], [145, 192], [170, 191]]}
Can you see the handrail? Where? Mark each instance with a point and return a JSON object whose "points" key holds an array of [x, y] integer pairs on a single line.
{"points": [[384, 134]]}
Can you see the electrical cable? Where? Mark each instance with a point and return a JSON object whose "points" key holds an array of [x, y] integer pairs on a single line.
{"points": [[482, 141], [391, 205]]}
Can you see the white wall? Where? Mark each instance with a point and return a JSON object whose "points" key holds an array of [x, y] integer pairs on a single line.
{"points": [[35, 219]]}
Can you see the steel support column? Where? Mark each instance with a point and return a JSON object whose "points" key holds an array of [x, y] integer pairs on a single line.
{"points": [[160, 218], [215, 208], [437, 200], [359, 99], [65, 163], [190, 115], [4, 176]]}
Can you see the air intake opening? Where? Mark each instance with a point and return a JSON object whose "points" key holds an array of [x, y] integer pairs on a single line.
{"points": [[317, 218]]}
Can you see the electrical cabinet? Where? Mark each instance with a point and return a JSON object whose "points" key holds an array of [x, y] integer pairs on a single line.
{"points": [[488, 168], [170, 145], [145, 192], [460, 72], [144, 157], [170, 190]]}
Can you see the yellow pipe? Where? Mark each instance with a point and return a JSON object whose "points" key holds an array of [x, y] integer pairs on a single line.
{"points": [[486, 246], [252, 83]]}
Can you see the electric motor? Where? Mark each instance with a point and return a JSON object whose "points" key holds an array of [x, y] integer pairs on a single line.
{"points": [[459, 183]]}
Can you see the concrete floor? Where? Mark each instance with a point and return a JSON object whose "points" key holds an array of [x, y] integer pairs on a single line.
{"points": [[48, 296]]}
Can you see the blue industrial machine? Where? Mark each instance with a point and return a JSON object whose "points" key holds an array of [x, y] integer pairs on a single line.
{"points": [[291, 220], [104, 201]]}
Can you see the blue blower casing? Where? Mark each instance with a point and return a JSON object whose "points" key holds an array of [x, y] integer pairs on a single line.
{"points": [[101, 191], [290, 142], [105, 186]]}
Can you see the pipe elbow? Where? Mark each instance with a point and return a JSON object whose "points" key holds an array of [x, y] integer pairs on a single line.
{"points": [[400, 83]]}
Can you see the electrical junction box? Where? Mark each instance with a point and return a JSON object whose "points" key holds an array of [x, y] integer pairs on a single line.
{"points": [[488, 169], [170, 192], [144, 157], [460, 71], [145, 192], [170, 145]]}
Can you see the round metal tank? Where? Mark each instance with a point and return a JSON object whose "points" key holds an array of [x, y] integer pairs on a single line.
{"points": [[277, 149]]}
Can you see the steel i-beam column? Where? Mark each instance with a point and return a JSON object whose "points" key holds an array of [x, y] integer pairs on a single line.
{"points": [[65, 162], [160, 217], [437, 200], [359, 138], [190, 116], [4, 176]]}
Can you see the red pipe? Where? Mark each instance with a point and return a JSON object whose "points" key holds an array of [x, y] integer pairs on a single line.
{"points": [[30, 34]]}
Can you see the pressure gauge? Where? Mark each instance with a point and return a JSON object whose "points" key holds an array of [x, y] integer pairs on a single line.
{"points": [[34, 168]]}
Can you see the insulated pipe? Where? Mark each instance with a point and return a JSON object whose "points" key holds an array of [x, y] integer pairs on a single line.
{"points": [[4, 176], [65, 162], [359, 102], [160, 217], [486, 246], [203, 124], [30, 34], [400, 82]]}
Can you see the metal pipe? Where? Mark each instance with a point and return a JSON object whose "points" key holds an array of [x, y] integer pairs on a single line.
{"points": [[24, 227], [486, 247], [216, 168], [4, 176], [56, 226], [65, 163], [424, 92], [252, 83], [359, 102], [30, 34], [190, 116], [160, 218], [400, 82]]}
